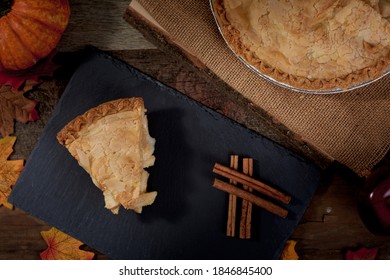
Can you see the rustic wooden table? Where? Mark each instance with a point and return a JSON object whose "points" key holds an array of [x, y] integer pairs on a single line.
{"points": [[331, 224]]}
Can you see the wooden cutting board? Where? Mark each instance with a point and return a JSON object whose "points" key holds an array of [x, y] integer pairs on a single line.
{"points": [[188, 219]]}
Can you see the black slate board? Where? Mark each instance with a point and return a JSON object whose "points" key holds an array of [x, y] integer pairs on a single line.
{"points": [[188, 218]]}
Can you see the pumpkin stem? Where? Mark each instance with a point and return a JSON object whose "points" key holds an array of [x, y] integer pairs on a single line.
{"points": [[5, 7]]}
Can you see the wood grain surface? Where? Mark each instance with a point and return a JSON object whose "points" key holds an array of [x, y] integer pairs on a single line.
{"points": [[101, 24], [331, 224]]}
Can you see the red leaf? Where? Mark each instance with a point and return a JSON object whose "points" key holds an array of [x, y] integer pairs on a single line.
{"points": [[14, 106], [362, 254], [17, 79]]}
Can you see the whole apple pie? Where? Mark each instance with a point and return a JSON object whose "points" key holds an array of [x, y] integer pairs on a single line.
{"points": [[311, 44]]}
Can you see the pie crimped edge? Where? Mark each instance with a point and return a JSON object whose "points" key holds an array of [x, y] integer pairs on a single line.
{"points": [[70, 132]]}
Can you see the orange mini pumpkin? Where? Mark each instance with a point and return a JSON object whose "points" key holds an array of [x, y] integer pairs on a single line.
{"points": [[30, 30]]}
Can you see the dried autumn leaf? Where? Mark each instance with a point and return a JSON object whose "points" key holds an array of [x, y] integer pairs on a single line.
{"points": [[9, 169], [362, 254], [63, 247], [289, 252], [14, 106], [31, 76]]}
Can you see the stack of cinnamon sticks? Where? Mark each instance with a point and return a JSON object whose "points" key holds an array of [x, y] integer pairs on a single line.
{"points": [[243, 185]]}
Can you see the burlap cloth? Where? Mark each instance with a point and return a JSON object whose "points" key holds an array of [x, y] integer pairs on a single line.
{"points": [[352, 128]]}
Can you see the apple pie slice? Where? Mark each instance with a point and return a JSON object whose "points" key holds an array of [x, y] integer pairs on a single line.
{"points": [[112, 143]]}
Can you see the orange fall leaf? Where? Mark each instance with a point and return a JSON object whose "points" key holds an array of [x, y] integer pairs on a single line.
{"points": [[63, 247], [289, 252], [9, 169]]}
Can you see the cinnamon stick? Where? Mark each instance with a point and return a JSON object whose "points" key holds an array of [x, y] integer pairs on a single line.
{"points": [[229, 219], [267, 205], [246, 206], [231, 223], [251, 182], [248, 224]]}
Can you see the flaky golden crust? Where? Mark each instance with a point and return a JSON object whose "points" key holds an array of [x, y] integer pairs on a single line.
{"points": [[347, 80], [70, 132]]}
